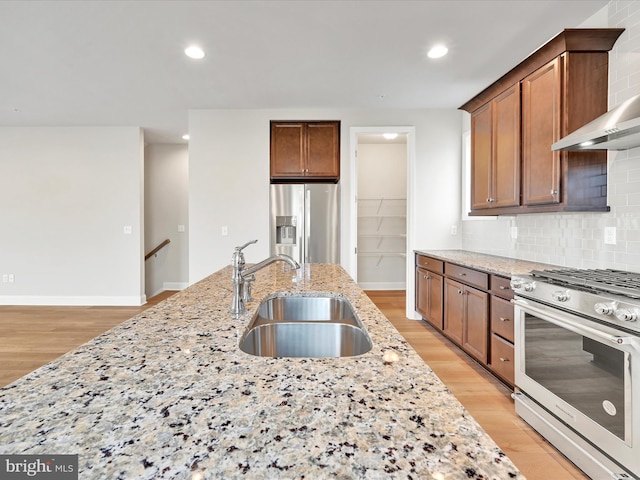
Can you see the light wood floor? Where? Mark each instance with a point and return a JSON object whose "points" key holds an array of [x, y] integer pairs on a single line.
{"points": [[33, 336]]}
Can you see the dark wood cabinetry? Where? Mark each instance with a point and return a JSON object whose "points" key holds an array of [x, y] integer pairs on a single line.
{"points": [[472, 308], [466, 313], [429, 289], [495, 144], [501, 358], [559, 88], [305, 151]]}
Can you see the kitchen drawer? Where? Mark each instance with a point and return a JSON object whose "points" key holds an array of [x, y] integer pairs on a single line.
{"points": [[429, 263], [467, 275], [502, 317], [502, 358], [501, 286]]}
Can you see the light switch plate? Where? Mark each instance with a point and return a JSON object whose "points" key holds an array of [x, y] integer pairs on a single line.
{"points": [[225, 231], [128, 230]]}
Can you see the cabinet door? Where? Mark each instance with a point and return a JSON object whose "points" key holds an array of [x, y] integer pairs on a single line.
{"points": [[287, 149], [454, 311], [481, 176], [429, 296], [506, 149], [541, 123], [323, 150], [476, 328], [435, 300], [422, 292]]}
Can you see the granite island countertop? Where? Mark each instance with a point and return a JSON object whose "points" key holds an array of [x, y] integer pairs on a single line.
{"points": [[505, 266], [168, 394]]}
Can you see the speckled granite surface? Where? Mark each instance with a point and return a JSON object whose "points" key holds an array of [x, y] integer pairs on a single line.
{"points": [[168, 394], [490, 263]]}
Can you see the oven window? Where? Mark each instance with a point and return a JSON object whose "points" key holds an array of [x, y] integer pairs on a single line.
{"points": [[585, 373]]}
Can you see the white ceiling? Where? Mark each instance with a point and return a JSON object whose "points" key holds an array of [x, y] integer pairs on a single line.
{"points": [[122, 63]]}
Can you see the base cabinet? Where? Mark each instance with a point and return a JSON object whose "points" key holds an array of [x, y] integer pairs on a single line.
{"points": [[429, 290], [466, 318], [472, 308]]}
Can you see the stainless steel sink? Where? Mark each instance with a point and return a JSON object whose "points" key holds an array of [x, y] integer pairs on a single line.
{"points": [[313, 326]]}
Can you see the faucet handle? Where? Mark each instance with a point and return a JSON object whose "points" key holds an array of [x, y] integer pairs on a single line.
{"points": [[242, 247]]}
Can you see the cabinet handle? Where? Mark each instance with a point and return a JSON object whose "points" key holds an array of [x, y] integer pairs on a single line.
{"points": [[502, 359], [427, 277], [554, 191], [502, 287], [502, 319], [460, 292], [462, 274]]}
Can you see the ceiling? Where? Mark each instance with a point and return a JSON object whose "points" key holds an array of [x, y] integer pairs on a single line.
{"points": [[98, 63]]}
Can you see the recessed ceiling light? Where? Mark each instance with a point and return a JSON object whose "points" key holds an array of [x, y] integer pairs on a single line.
{"points": [[185, 136], [194, 52], [390, 136], [437, 51]]}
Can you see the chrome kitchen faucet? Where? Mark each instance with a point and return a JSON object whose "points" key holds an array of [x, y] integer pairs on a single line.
{"points": [[242, 278]]}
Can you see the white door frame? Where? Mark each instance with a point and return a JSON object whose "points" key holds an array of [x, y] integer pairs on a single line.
{"points": [[410, 131]]}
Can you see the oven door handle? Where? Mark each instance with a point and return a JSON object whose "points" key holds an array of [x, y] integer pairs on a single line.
{"points": [[574, 326]]}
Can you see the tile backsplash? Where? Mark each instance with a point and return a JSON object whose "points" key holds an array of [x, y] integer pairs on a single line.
{"points": [[578, 239]]}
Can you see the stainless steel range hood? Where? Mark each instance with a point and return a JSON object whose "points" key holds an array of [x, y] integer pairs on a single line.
{"points": [[618, 129]]}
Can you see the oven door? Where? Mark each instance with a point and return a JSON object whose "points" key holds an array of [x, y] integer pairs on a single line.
{"points": [[581, 372]]}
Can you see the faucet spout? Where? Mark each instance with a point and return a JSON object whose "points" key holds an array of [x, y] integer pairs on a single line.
{"points": [[268, 261]]}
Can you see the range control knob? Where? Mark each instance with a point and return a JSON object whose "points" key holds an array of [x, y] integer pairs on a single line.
{"points": [[626, 314], [604, 308], [529, 287], [560, 296], [516, 283]]}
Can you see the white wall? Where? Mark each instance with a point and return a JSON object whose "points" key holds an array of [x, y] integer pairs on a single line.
{"points": [[66, 194], [229, 178], [166, 207], [577, 239]]}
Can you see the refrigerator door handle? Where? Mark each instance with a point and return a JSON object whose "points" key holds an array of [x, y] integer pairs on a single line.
{"points": [[307, 224]]}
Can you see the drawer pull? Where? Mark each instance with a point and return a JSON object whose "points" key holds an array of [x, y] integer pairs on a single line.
{"points": [[502, 319], [462, 274], [502, 359], [502, 287]]}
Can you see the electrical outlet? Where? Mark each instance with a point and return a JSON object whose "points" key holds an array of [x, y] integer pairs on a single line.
{"points": [[454, 229], [514, 233], [225, 231], [128, 229], [180, 228], [11, 278], [5, 278], [610, 235]]}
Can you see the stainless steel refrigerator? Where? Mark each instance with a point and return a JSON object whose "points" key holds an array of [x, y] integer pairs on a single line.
{"points": [[305, 221]]}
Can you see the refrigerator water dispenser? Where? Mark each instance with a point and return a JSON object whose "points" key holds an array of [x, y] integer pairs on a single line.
{"points": [[286, 230]]}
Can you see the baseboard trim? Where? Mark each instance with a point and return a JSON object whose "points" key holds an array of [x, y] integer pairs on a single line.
{"points": [[174, 286], [382, 285], [133, 301]]}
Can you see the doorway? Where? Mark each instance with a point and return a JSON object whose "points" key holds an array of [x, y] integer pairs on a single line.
{"points": [[382, 217]]}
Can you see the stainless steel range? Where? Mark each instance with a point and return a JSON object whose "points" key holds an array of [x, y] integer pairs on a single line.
{"points": [[577, 365]]}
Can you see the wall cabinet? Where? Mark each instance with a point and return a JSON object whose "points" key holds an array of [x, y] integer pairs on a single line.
{"points": [[559, 88], [305, 151], [495, 144], [430, 289]]}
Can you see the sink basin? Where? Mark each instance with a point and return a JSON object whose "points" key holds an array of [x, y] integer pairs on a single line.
{"points": [[315, 326]]}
